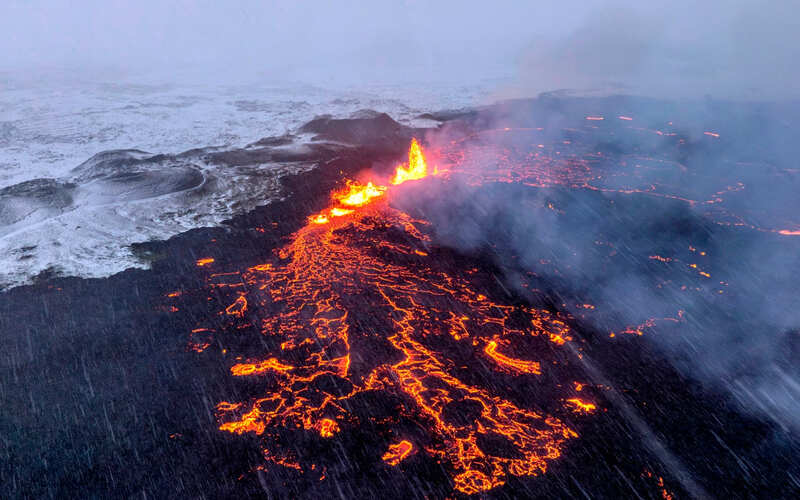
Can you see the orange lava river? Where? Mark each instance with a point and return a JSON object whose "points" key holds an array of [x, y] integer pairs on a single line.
{"points": [[306, 299]]}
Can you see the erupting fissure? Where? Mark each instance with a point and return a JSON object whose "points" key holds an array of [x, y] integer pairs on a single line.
{"points": [[358, 195], [333, 287]]}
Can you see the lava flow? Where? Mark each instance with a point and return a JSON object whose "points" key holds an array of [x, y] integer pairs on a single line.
{"points": [[357, 274]]}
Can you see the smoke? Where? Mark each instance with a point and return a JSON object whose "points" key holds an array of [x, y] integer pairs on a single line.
{"points": [[731, 49], [722, 304], [725, 67]]}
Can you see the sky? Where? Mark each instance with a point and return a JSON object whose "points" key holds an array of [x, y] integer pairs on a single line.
{"points": [[729, 48]]}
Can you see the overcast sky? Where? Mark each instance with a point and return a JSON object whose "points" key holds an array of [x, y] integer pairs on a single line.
{"points": [[732, 47]]}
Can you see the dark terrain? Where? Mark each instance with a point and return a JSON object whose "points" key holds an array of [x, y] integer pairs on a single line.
{"points": [[102, 398]]}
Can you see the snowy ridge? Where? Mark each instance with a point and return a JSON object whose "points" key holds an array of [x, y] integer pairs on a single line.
{"points": [[62, 213]]}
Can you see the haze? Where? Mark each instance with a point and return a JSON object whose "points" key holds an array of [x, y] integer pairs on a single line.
{"points": [[743, 49]]}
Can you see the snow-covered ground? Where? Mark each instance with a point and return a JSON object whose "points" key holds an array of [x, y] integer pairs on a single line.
{"points": [[80, 221]]}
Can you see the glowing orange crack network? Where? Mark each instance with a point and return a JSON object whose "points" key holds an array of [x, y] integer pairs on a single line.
{"points": [[320, 269]]}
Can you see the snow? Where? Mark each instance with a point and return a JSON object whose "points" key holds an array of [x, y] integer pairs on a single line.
{"points": [[49, 129]]}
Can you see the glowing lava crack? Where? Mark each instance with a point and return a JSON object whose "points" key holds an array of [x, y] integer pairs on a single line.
{"points": [[307, 298]]}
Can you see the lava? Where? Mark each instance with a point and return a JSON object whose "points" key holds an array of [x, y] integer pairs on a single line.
{"points": [[514, 364], [582, 406], [238, 308], [307, 299], [357, 195], [271, 364], [398, 452], [361, 255], [338, 212], [416, 169], [327, 427], [319, 219]]}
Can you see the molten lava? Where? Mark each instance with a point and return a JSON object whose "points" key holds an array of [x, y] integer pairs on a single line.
{"points": [[309, 300], [453, 354], [360, 272], [338, 212], [513, 364], [398, 452], [357, 195], [582, 406], [243, 369], [416, 169], [327, 427]]}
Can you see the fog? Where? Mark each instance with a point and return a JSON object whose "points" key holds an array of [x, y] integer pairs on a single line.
{"points": [[742, 49]]}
